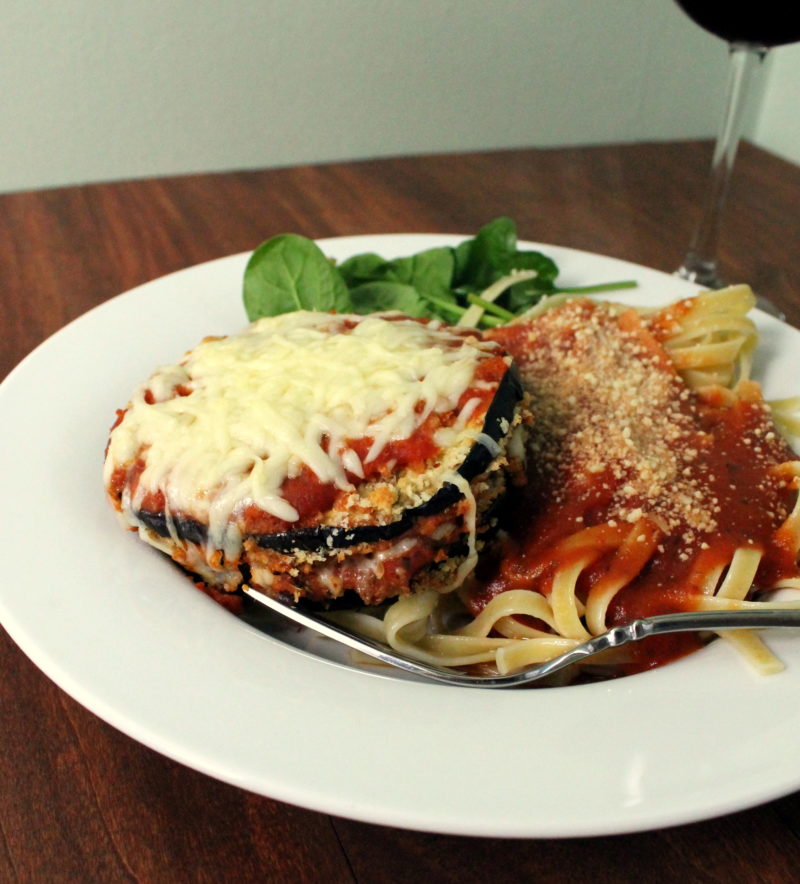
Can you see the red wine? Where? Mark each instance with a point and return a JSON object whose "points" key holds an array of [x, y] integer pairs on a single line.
{"points": [[766, 23]]}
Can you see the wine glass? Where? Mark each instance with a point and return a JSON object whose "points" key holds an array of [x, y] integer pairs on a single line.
{"points": [[751, 30]]}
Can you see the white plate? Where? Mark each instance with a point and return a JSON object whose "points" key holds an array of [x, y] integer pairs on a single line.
{"points": [[115, 625]]}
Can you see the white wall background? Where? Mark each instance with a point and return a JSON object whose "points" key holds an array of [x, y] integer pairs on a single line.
{"points": [[777, 125], [94, 90]]}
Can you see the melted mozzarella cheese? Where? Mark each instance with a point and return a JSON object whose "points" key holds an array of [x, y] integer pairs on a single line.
{"points": [[238, 415]]}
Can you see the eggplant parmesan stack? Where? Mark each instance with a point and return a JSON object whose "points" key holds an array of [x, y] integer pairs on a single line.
{"points": [[317, 454]]}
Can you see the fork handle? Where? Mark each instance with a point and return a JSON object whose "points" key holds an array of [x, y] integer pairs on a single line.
{"points": [[698, 621], [659, 624]]}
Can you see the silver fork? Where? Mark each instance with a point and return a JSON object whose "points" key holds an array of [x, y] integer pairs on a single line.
{"points": [[693, 621]]}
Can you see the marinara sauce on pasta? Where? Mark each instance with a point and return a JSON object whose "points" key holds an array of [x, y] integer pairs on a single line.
{"points": [[642, 494]]}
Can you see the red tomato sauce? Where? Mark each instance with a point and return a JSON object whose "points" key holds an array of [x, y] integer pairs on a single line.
{"points": [[736, 449], [752, 503]]}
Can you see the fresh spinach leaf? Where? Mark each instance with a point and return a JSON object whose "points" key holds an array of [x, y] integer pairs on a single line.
{"points": [[376, 297], [488, 256], [526, 293], [430, 272], [461, 254], [546, 269], [494, 253], [366, 267], [290, 272]]}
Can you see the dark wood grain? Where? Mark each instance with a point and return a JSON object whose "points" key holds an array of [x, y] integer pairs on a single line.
{"points": [[81, 802]]}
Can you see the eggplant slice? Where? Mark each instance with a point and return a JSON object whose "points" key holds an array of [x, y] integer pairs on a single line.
{"points": [[405, 525], [322, 538]]}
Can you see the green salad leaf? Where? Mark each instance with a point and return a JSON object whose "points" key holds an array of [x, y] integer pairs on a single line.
{"points": [[486, 280], [290, 272], [375, 297]]}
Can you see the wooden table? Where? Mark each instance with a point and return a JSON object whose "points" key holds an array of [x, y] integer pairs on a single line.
{"points": [[81, 802]]}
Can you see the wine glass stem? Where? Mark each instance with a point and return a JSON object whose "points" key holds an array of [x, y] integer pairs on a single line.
{"points": [[700, 263]]}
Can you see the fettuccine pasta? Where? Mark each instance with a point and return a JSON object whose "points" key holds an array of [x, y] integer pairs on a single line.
{"points": [[658, 481]]}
